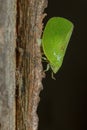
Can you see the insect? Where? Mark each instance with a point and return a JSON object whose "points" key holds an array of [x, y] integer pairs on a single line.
{"points": [[55, 39]]}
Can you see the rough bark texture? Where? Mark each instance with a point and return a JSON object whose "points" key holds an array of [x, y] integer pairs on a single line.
{"points": [[7, 64], [29, 68], [25, 89]]}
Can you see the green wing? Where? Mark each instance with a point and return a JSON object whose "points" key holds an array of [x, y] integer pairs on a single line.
{"points": [[55, 39]]}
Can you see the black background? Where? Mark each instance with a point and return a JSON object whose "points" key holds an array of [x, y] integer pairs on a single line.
{"points": [[63, 104]]}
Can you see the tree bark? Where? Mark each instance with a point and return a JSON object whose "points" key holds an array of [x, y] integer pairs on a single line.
{"points": [[7, 64], [29, 67], [21, 70]]}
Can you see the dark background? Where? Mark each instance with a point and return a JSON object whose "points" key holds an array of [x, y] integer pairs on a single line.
{"points": [[63, 104]]}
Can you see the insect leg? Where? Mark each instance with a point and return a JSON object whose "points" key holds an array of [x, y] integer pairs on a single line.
{"points": [[52, 76]]}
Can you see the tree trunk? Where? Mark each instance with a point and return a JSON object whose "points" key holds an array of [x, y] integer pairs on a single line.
{"points": [[7, 64], [20, 63]]}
